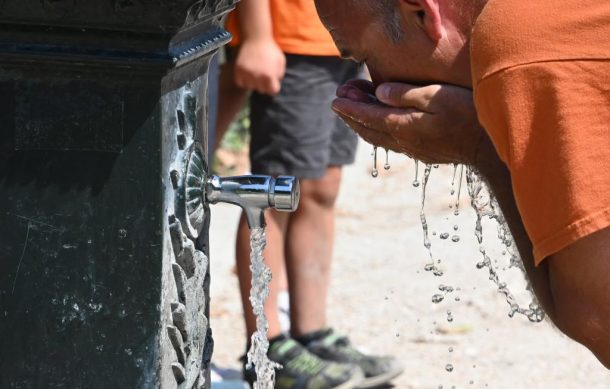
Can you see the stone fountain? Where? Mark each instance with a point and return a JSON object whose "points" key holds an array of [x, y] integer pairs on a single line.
{"points": [[104, 271]]}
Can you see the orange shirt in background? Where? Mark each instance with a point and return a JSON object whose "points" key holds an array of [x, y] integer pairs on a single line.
{"points": [[541, 76], [296, 27]]}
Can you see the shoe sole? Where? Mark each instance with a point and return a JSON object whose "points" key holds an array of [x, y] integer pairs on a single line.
{"points": [[379, 380], [353, 383]]}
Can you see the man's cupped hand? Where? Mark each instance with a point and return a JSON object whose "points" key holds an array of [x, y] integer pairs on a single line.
{"points": [[433, 123]]}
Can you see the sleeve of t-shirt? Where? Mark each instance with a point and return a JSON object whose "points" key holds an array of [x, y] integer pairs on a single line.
{"points": [[550, 123]]}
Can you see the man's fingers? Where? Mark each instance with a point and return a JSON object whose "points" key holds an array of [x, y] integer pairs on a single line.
{"points": [[364, 85], [406, 95], [355, 94], [371, 136], [274, 86], [262, 84], [379, 117]]}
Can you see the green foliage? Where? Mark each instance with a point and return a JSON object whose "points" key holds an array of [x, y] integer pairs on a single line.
{"points": [[238, 134]]}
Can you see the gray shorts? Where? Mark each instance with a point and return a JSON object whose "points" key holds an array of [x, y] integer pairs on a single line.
{"points": [[296, 133]]}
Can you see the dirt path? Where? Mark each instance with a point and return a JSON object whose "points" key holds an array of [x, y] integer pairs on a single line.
{"points": [[381, 295]]}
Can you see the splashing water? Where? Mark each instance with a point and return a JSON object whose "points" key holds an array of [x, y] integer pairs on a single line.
{"points": [[485, 205], [416, 180], [261, 276]]}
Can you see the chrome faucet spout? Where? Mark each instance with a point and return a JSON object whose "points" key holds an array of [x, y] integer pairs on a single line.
{"points": [[254, 194]]}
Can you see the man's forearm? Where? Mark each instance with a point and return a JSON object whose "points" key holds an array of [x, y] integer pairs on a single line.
{"points": [[497, 176], [255, 19]]}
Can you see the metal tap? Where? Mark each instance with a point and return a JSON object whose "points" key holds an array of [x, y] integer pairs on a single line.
{"points": [[254, 194]]}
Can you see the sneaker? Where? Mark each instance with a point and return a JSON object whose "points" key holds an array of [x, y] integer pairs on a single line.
{"points": [[303, 370], [333, 347]]}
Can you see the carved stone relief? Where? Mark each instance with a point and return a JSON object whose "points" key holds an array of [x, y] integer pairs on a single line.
{"points": [[188, 328]]}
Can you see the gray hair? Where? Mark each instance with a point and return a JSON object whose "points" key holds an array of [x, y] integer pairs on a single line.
{"points": [[391, 18]]}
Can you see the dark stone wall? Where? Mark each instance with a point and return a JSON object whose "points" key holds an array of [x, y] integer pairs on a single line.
{"points": [[104, 273], [80, 237]]}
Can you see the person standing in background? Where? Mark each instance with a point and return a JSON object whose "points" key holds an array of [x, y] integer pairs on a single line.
{"points": [[282, 53]]}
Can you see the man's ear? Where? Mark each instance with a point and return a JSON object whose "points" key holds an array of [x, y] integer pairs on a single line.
{"points": [[428, 15]]}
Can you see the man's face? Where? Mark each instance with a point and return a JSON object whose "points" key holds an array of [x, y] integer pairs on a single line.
{"points": [[362, 36]]}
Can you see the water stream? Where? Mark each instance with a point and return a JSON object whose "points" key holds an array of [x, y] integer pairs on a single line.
{"points": [[261, 277], [424, 223], [485, 205]]}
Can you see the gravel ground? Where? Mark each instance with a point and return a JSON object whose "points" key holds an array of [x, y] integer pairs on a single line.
{"points": [[381, 295]]}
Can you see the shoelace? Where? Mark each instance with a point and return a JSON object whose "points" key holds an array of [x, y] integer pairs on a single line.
{"points": [[345, 345], [305, 363]]}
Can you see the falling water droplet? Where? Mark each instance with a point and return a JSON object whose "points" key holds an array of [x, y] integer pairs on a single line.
{"points": [[449, 367], [456, 227], [375, 172], [387, 160], [450, 349], [444, 235], [437, 298], [456, 212], [416, 180], [438, 272], [449, 316], [445, 288], [455, 167], [455, 238]]}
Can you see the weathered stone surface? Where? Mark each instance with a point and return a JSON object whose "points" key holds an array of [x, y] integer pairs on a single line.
{"points": [[179, 372], [99, 285], [176, 338], [179, 317]]}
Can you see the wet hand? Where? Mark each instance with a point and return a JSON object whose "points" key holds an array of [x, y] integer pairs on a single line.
{"points": [[434, 123], [260, 66]]}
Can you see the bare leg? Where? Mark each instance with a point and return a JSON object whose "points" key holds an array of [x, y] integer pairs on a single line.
{"points": [[309, 248], [231, 100], [274, 258]]}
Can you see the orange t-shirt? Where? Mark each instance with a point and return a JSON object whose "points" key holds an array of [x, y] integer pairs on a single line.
{"points": [[296, 27], [541, 74]]}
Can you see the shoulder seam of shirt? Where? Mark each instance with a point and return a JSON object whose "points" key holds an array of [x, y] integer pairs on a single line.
{"points": [[577, 59]]}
